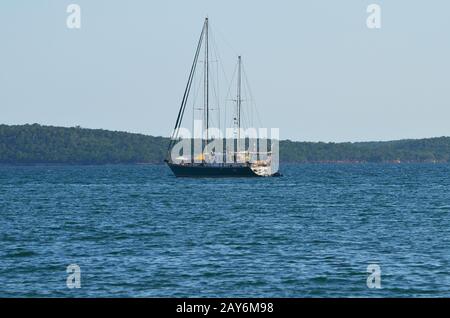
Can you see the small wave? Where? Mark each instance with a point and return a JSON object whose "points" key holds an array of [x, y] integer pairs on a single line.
{"points": [[21, 253]]}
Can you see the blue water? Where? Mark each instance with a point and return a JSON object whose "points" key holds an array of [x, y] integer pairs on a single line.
{"points": [[138, 231]]}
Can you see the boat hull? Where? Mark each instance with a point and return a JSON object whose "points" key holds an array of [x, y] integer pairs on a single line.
{"points": [[206, 171]]}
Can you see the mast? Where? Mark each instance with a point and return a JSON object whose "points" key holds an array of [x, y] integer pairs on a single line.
{"points": [[187, 90], [239, 102], [206, 80], [239, 99]]}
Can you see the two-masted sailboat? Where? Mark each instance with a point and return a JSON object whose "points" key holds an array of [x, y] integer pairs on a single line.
{"points": [[216, 162]]}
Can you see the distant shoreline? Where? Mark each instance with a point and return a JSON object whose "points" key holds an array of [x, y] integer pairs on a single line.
{"points": [[48, 145]]}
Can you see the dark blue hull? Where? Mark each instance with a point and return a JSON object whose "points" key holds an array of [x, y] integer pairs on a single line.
{"points": [[209, 171]]}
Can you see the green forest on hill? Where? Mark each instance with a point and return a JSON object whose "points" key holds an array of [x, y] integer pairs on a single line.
{"points": [[33, 144]]}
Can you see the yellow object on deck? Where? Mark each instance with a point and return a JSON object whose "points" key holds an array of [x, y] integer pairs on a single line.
{"points": [[200, 157]]}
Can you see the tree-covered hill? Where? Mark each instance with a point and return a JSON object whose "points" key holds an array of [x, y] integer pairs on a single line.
{"points": [[46, 144], [31, 144], [410, 150]]}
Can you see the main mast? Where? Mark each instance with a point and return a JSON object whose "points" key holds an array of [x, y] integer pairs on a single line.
{"points": [[239, 103], [206, 81], [187, 90]]}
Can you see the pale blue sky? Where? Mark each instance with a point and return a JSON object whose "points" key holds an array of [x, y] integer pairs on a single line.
{"points": [[316, 71]]}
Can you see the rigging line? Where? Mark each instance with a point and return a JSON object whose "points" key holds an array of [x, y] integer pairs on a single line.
{"points": [[196, 88], [239, 97], [226, 41], [186, 91], [214, 92], [229, 93], [207, 76], [214, 84], [222, 67], [251, 97], [245, 114], [188, 86], [215, 52], [247, 111], [253, 101], [218, 93]]}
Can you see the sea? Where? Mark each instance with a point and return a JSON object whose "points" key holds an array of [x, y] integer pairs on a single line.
{"points": [[320, 230]]}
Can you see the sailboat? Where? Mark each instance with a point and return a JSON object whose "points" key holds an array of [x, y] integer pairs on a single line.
{"points": [[216, 162]]}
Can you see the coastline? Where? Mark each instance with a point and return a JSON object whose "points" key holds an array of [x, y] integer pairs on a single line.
{"points": [[36, 144]]}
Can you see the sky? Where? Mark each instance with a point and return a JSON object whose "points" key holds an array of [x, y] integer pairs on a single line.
{"points": [[316, 71]]}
